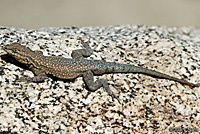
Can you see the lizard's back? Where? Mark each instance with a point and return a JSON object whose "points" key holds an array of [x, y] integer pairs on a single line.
{"points": [[68, 68]]}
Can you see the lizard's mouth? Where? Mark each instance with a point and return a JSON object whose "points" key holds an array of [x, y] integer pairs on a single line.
{"points": [[11, 52], [8, 51]]}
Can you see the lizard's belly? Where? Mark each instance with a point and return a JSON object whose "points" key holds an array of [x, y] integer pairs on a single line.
{"points": [[65, 75]]}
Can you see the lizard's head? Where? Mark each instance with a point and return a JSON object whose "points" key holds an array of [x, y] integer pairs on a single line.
{"points": [[19, 52]]}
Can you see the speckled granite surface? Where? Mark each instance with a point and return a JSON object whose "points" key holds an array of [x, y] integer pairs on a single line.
{"points": [[149, 104]]}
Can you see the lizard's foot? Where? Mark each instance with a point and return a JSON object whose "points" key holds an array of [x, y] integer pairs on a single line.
{"points": [[32, 79], [108, 90], [93, 86], [85, 52]]}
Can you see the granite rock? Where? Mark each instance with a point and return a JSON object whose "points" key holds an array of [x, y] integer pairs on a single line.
{"points": [[148, 104]]}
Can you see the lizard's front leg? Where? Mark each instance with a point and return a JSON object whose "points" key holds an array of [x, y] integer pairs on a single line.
{"points": [[80, 53], [92, 85], [40, 76]]}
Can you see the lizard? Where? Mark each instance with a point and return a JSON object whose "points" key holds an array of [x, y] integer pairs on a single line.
{"points": [[71, 68]]}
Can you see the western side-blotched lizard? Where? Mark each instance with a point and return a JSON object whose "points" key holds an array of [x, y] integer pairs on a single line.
{"points": [[66, 68]]}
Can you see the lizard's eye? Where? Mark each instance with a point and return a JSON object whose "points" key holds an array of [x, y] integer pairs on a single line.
{"points": [[15, 50]]}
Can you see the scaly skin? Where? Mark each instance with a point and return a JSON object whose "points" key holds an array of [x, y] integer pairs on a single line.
{"points": [[66, 68]]}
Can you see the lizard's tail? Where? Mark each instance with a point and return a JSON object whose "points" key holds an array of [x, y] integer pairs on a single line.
{"points": [[123, 68]]}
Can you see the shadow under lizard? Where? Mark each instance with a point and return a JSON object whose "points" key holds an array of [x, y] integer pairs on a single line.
{"points": [[66, 68]]}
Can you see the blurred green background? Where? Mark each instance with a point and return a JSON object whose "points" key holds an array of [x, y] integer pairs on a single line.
{"points": [[33, 14]]}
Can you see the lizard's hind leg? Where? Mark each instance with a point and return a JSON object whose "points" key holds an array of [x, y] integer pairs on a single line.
{"points": [[80, 53], [92, 85]]}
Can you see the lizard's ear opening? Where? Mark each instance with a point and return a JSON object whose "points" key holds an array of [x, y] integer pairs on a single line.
{"points": [[38, 52]]}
